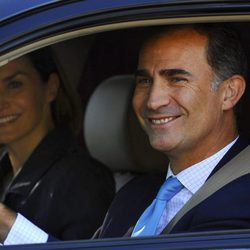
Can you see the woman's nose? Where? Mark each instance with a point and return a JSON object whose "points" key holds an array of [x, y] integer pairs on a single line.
{"points": [[4, 102]]}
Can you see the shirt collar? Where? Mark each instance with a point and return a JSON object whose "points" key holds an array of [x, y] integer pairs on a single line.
{"points": [[193, 177]]}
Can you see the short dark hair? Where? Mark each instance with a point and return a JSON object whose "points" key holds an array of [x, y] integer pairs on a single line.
{"points": [[225, 51]]}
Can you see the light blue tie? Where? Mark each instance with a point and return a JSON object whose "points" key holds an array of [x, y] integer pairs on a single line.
{"points": [[147, 223]]}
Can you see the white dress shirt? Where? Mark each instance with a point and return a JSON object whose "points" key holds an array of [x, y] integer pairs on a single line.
{"points": [[25, 232], [192, 178]]}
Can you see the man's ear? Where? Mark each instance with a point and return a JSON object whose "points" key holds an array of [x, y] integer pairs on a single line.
{"points": [[233, 89], [52, 87]]}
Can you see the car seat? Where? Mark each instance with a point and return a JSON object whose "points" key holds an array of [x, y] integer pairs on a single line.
{"points": [[113, 135]]}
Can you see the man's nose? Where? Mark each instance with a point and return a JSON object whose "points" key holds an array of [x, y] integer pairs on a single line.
{"points": [[159, 96]]}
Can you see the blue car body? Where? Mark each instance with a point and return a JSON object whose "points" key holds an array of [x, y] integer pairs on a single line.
{"points": [[26, 23]]}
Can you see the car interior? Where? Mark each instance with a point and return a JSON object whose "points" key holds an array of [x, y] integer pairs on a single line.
{"points": [[101, 68]]}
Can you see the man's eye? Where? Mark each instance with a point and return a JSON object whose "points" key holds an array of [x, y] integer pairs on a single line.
{"points": [[14, 84], [143, 81], [178, 80]]}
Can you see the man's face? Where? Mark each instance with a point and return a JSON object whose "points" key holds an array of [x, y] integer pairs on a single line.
{"points": [[173, 98]]}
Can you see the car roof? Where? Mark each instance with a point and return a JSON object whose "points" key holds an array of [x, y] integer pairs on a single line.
{"points": [[9, 9], [15, 7]]}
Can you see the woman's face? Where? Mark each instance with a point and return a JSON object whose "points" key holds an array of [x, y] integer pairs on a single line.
{"points": [[24, 102]]}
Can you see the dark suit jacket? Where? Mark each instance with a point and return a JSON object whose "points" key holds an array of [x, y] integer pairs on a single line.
{"points": [[60, 188], [228, 208]]}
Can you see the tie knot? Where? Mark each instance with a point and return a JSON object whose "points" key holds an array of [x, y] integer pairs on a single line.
{"points": [[169, 188]]}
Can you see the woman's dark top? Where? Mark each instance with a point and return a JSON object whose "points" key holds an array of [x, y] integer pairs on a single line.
{"points": [[60, 188]]}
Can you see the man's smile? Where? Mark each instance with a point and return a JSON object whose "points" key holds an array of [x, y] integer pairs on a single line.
{"points": [[160, 121]]}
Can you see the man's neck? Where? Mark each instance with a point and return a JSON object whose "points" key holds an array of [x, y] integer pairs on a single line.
{"points": [[184, 161]]}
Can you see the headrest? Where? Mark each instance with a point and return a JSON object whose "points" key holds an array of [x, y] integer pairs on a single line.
{"points": [[112, 133]]}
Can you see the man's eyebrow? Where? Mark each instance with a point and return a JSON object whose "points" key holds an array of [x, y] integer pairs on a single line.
{"points": [[141, 72], [163, 72], [173, 72]]}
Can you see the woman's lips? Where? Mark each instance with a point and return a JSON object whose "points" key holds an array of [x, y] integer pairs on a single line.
{"points": [[8, 118]]}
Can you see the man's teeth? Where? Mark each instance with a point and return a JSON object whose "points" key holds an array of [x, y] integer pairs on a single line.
{"points": [[162, 121], [7, 118]]}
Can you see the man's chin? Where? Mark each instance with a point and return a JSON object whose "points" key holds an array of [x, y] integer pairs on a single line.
{"points": [[162, 145]]}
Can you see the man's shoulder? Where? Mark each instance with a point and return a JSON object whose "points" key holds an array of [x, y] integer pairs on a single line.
{"points": [[242, 142]]}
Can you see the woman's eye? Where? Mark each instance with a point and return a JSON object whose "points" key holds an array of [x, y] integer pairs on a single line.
{"points": [[14, 84]]}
